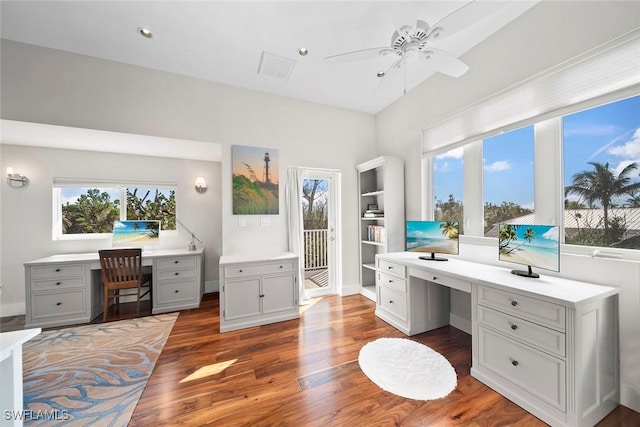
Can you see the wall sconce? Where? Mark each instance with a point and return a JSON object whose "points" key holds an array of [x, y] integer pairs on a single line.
{"points": [[201, 185], [15, 179]]}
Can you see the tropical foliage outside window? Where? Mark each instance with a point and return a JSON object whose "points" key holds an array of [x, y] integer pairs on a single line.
{"points": [[90, 210], [447, 186], [508, 179], [601, 175]]}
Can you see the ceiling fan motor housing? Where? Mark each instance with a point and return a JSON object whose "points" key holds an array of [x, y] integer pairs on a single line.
{"points": [[413, 39]]}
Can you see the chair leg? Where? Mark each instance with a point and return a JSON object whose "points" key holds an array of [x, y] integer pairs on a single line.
{"points": [[138, 304], [105, 304]]}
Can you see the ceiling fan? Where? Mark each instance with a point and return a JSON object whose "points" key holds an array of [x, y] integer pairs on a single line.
{"points": [[416, 41]]}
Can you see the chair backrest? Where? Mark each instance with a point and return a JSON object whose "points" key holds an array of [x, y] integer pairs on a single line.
{"points": [[123, 266]]}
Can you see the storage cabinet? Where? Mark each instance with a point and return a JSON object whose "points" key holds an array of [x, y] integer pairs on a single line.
{"points": [[541, 354], [177, 284], [57, 295], [257, 290], [380, 186]]}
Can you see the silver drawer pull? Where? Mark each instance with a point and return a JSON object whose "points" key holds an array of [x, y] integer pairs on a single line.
{"points": [[514, 362], [514, 303], [514, 327], [58, 303]]}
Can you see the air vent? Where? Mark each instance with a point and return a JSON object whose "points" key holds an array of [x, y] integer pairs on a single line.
{"points": [[276, 66]]}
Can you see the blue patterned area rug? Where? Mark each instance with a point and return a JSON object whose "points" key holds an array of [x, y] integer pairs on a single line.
{"points": [[94, 374]]}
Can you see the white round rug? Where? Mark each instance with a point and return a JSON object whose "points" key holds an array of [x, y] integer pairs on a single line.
{"points": [[407, 368]]}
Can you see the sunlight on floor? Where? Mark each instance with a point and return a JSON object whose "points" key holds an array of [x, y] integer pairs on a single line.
{"points": [[306, 305], [209, 370]]}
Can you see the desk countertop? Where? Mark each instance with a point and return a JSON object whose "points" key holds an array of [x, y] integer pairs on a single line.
{"points": [[93, 256], [10, 340], [552, 287], [234, 259]]}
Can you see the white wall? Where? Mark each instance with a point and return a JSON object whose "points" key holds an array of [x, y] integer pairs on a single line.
{"points": [[27, 211], [54, 87], [549, 34]]}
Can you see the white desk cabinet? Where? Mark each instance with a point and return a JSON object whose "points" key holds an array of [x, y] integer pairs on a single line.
{"points": [[66, 289], [550, 344], [257, 290]]}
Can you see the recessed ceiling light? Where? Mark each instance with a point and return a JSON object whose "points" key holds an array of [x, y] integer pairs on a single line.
{"points": [[303, 51], [381, 74], [145, 32]]}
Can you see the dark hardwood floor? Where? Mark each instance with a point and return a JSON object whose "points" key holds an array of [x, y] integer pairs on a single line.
{"points": [[305, 372]]}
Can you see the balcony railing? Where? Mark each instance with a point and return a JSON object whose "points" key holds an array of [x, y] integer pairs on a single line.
{"points": [[315, 254]]}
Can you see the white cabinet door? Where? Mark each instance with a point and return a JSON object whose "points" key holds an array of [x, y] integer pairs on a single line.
{"points": [[242, 298], [278, 293]]}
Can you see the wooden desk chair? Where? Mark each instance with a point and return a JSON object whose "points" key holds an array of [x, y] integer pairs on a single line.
{"points": [[122, 270]]}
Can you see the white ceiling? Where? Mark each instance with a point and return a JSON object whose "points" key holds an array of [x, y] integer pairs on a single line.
{"points": [[222, 41]]}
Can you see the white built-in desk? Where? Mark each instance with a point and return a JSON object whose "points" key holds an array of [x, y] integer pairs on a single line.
{"points": [[66, 289], [11, 392], [550, 344]]}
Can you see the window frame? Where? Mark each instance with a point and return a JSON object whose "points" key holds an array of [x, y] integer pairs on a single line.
{"points": [[121, 186], [548, 184]]}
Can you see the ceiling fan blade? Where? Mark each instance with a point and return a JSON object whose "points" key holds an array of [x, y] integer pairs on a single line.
{"points": [[358, 55], [462, 18], [445, 62]]}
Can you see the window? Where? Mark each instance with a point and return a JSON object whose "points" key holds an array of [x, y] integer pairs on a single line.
{"points": [[85, 210], [601, 153], [508, 179], [447, 186]]}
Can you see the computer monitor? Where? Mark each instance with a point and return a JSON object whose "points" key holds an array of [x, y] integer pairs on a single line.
{"points": [[530, 245], [437, 237], [138, 233]]}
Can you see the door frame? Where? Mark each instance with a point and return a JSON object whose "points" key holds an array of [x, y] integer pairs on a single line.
{"points": [[334, 246]]}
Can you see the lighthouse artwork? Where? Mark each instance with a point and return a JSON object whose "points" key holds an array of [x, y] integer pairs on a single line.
{"points": [[255, 180]]}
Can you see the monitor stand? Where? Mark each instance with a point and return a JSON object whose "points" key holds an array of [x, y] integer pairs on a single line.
{"points": [[526, 273], [433, 258]]}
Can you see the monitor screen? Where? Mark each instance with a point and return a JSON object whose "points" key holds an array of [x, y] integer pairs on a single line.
{"points": [[530, 245], [136, 232], [436, 237]]}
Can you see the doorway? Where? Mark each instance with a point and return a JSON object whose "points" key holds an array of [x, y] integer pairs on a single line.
{"points": [[320, 231]]}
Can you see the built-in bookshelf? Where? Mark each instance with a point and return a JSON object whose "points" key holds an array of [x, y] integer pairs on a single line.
{"points": [[381, 209]]}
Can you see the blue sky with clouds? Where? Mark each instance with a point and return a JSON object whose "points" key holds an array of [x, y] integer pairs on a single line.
{"points": [[610, 133]]}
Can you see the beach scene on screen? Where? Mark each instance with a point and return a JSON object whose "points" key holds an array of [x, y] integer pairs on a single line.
{"points": [[432, 236], [136, 231], [532, 245]]}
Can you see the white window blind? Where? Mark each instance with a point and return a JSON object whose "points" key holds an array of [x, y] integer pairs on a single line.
{"points": [[603, 71]]}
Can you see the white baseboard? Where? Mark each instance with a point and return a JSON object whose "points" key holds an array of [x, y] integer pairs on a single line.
{"points": [[349, 289], [630, 396], [460, 323], [15, 309], [211, 286]]}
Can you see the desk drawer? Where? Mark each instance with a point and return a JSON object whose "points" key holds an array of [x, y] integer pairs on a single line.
{"points": [[392, 268], [176, 263], [392, 282], [57, 304], [393, 302], [57, 270], [175, 274], [59, 283], [176, 292], [538, 311], [450, 282], [523, 330], [531, 370], [257, 269]]}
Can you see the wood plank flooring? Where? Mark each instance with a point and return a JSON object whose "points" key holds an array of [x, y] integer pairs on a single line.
{"points": [[305, 373]]}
